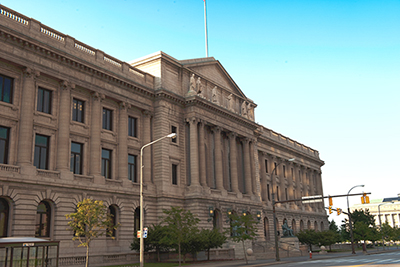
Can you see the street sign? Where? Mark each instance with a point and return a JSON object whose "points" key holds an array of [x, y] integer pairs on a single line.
{"points": [[311, 199], [139, 234]]}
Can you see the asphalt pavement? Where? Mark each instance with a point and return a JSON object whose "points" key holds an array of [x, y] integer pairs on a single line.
{"points": [[270, 262]]}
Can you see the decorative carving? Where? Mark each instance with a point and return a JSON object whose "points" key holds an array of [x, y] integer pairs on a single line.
{"points": [[97, 96], [124, 106], [192, 86], [214, 96], [230, 103], [65, 85], [199, 87], [31, 73], [250, 111], [244, 109]]}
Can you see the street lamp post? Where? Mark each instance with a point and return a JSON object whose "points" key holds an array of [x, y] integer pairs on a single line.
{"points": [[350, 223], [141, 258], [273, 210]]}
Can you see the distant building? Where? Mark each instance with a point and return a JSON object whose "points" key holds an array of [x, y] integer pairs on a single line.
{"points": [[384, 210], [73, 120]]}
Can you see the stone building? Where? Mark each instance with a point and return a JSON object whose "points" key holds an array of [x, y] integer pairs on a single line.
{"points": [[73, 120], [384, 210]]}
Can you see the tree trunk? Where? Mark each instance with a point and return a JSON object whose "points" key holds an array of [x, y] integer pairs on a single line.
{"points": [[244, 250], [208, 254], [179, 252], [87, 256]]}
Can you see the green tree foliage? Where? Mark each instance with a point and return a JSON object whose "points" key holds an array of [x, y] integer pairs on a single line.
{"points": [[181, 226], [309, 237], [242, 228], [90, 221], [212, 239], [156, 233], [364, 228]]}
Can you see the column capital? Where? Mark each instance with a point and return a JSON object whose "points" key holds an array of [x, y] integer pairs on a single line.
{"points": [[147, 113], [216, 129], [245, 140], [31, 73], [124, 105], [97, 96], [192, 120], [65, 85], [232, 135]]}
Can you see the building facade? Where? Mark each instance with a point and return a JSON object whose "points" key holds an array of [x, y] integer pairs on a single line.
{"points": [[73, 120], [385, 210]]}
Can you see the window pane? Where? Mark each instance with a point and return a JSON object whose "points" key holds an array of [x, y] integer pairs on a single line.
{"points": [[4, 140], [6, 87]]}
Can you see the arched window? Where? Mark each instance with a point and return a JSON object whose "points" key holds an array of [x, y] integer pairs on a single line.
{"points": [[266, 228], [322, 226], [136, 220], [217, 220], [4, 211], [232, 228], [316, 226], [113, 212], [294, 226], [43, 217], [301, 225], [308, 225]]}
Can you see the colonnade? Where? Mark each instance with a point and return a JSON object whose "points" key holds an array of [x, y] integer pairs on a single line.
{"points": [[220, 159], [292, 180]]}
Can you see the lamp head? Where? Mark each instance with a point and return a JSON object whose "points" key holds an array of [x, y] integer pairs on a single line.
{"points": [[172, 135], [292, 159]]}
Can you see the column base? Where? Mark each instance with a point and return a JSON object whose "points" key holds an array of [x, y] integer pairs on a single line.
{"points": [[99, 179], [66, 175], [29, 171]]}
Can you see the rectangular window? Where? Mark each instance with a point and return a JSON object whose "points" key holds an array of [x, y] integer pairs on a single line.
{"points": [[76, 158], [106, 163], [132, 126], [173, 130], [276, 170], [44, 100], [41, 151], [266, 166], [269, 194], [292, 173], [132, 174], [77, 110], [4, 142], [107, 119], [174, 174], [6, 88], [284, 171]]}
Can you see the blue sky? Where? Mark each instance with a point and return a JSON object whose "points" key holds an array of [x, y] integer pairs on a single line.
{"points": [[324, 73]]}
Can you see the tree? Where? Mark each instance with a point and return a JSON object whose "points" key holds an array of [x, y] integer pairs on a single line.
{"points": [[242, 228], [155, 234], [90, 221], [308, 237], [181, 225], [212, 239], [364, 228]]}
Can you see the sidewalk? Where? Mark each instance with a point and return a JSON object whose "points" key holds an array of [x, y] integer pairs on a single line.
{"points": [[270, 262]]}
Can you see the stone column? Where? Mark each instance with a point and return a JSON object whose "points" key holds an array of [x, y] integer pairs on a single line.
{"points": [[252, 166], [194, 154], [218, 159], [263, 178], [147, 152], [123, 141], [247, 171], [25, 138], [233, 162], [95, 134], [63, 144], [202, 155]]}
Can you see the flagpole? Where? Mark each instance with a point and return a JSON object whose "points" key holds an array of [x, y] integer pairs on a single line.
{"points": [[205, 22]]}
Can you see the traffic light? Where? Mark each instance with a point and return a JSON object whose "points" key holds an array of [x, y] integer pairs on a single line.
{"points": [[365, 199], [339, 211], [330, 201], [330, 210]]}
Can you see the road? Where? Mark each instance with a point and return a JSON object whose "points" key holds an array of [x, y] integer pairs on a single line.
{"points": [[390, 259]]}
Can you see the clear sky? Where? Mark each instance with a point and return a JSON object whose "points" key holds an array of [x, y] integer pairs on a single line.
{"points": [[324, 73]]}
